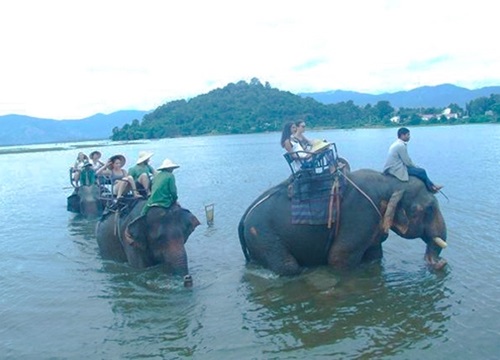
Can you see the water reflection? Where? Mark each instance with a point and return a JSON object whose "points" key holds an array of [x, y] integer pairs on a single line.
{"points": [[150, 309], [368, 313], [152, 313]]}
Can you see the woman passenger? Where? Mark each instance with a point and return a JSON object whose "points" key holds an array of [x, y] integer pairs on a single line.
{"points": [[95, 157], [288, 130], [299, 136], [292, 146], [77, 168], [122, 182]]}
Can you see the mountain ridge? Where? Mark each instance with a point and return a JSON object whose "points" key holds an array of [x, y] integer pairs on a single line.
{"points": [[22, 130], [439, 96]]}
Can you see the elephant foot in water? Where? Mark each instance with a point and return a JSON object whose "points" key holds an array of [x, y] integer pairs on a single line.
{"points": [[188, 281], [435, 262]]}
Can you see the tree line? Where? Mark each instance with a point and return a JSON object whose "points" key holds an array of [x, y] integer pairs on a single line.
{"points": [[254, 107]]}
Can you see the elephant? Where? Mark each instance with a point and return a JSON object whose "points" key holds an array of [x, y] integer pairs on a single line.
{"points": [[86, 200], [143, 241], [371, 204]]}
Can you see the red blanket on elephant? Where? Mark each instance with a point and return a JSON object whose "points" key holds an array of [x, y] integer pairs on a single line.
{"points": [[311, 195]]}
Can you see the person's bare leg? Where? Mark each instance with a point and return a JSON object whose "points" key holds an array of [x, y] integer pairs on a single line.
{"points": [[144, 180], [76, 177], [130, 182]]}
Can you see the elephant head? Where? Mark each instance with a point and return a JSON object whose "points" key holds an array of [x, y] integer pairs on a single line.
{"points": [[413, 212], [159, 237], [90, 204]]}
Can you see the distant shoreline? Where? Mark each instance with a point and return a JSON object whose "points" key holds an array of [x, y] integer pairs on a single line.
{"points": [[19, 149]]}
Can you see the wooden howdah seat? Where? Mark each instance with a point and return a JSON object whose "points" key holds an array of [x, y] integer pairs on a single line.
{"points": [[314, 162]]}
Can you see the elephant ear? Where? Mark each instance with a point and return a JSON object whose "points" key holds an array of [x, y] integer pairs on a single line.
{"points": [[390, 212], [136, 232], [401, 221]]}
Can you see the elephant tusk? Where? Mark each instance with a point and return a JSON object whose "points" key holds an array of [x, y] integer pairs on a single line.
{"points": [[440, 242]]}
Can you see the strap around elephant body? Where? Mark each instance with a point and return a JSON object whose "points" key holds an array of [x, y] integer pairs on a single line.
{"points": [[363, 193]]}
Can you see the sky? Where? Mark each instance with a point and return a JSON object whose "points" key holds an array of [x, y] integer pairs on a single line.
{"points": [[71, 59]]}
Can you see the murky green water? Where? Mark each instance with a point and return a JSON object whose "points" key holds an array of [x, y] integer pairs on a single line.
{"points": [[59, 299]]}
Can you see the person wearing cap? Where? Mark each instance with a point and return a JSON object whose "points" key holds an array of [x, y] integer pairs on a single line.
{"points": [[95, 158], [164, 190], [142, 172], [122, 182]]}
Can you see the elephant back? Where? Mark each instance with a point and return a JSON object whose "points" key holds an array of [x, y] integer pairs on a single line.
{"points": [[122, 208], [313, 197]]}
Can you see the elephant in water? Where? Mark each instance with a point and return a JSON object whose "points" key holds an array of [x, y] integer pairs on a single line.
{"points": [[143, 241], [86, 200], [371, 204]]}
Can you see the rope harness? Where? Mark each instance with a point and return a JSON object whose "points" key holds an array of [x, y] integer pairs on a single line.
{"points": [[363, 193]]}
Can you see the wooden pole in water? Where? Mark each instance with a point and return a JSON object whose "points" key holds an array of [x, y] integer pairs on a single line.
{"points": [[209, 213]]}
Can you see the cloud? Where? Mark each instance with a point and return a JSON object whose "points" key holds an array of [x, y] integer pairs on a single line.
{"points": [[70, 59]]}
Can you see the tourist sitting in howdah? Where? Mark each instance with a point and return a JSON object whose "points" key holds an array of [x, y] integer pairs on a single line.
{"points": [[142, 173], [119, 178], [95, 159], [309, 156], [76, 169]]}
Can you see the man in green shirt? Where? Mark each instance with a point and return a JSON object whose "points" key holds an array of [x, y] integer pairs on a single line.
{"points": [[164, 191], [142, 172]]}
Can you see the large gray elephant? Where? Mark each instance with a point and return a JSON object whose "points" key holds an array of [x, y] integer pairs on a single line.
{"points": [[371, 204], [143, 241], [86, 200]]}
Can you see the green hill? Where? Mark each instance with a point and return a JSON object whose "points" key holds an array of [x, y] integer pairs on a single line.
{"points": [[253, 107], [236, 108]]}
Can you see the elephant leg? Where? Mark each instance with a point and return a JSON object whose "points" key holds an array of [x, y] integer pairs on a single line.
{"points": [[373, 253], [272, 253], [342, 259], [284, 264]]}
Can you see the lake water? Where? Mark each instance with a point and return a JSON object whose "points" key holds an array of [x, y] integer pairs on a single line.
{"points": [[60, 300]]}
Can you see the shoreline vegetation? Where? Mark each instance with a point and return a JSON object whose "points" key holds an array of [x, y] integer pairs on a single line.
{"points": [[19, 149], [250, 108], [246, 108]]}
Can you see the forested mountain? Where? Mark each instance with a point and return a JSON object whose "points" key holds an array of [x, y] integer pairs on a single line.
{"points": [[422, 97], [254, 107], [20, 130], [236, 108]]}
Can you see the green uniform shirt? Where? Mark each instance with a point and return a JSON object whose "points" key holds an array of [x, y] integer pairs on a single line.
{"points": [[87, 176], [139, 169], [163, 192]]}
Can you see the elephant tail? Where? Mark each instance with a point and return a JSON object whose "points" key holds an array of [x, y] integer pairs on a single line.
{"points": [[244, 248]]}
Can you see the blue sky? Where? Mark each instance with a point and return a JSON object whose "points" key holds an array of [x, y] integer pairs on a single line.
{"points": [[72, 59]]}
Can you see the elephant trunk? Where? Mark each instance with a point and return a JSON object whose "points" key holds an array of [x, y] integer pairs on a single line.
{"points": [[435, 240], [89, 208], [89, 200], [175, 258]]}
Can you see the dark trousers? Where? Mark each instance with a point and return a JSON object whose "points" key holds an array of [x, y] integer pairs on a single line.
{"points": [[422, 175]]}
